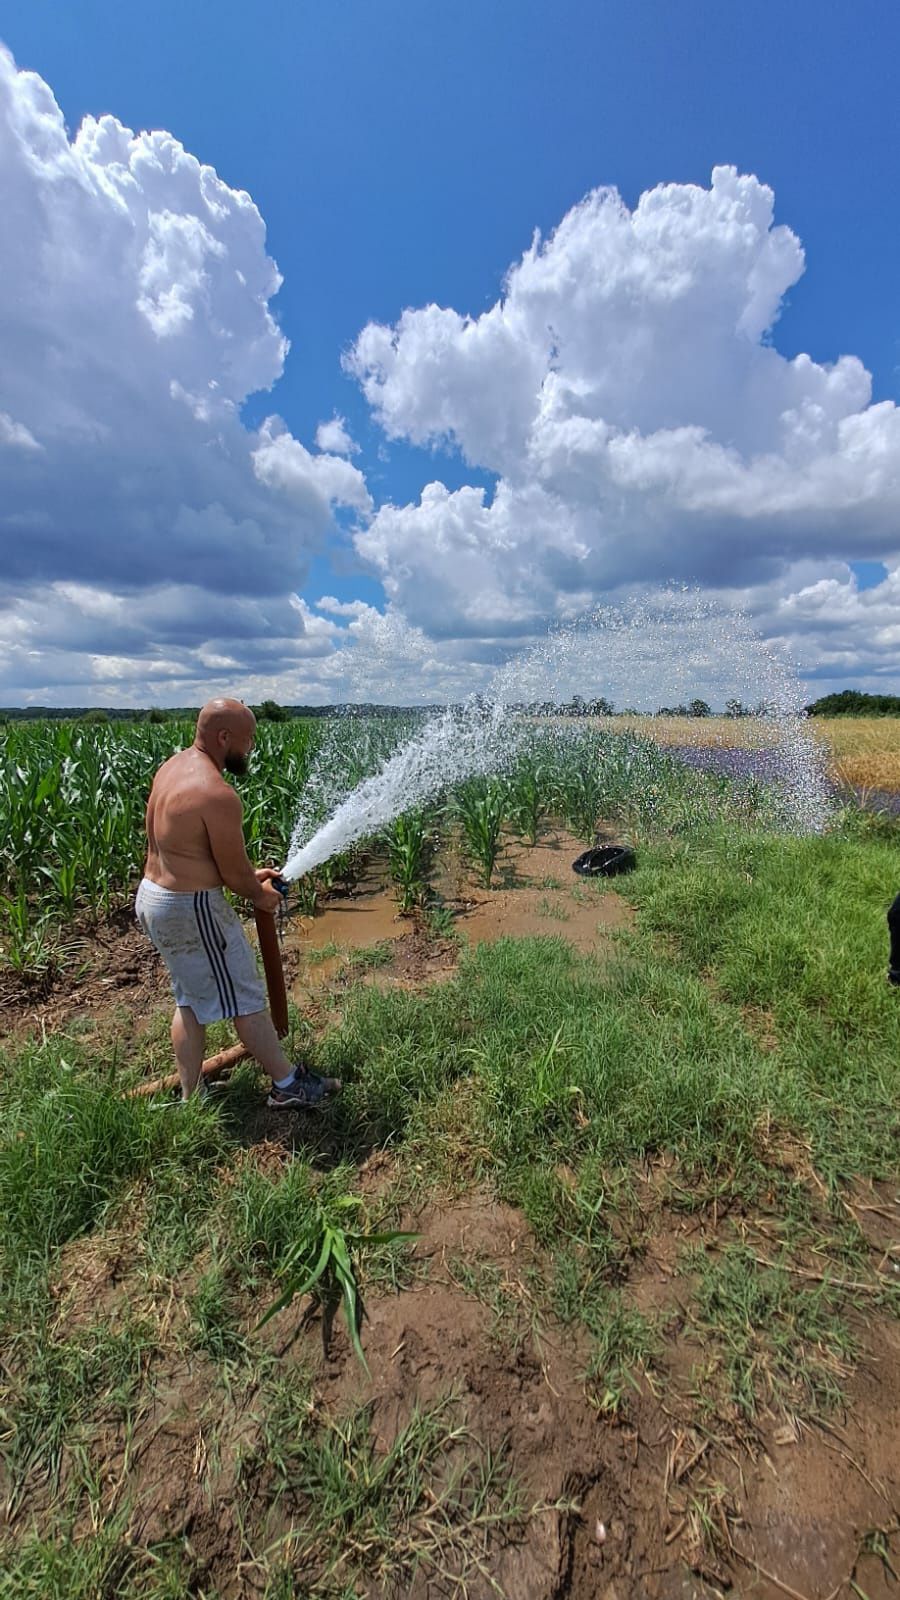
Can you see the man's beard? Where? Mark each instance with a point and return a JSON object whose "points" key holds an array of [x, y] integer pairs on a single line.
{"points": [[238, 766]]}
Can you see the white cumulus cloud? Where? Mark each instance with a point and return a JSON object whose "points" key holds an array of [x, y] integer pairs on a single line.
{"points": [[135, 320], [627, 394], [334, 436], [625, 398], [282, 462], [193, 641]]}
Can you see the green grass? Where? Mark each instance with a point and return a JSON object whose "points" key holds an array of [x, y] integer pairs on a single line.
{"points": [[741, 1041], [100, 1566], [775, 1341], [656, 1052], [553, 910], [57, 1390], [796, 928], [624, 1341], [689, 1079], [317, 954], [511, 1307], [72, 1143], [214, 1324], [369, 958], [259, 1215], [430, 1503]]}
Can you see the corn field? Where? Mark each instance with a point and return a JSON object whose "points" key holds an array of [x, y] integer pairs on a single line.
{"points": [[73, 796]]}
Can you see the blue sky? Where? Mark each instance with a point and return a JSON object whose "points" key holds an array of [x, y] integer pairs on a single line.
{"points": [[403, 152]]}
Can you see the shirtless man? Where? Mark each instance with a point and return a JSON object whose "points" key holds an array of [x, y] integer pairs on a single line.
{"points": [[195, 845]]}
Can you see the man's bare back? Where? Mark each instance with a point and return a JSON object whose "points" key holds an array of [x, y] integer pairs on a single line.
{"points": [[195, 834], [179, 853]]}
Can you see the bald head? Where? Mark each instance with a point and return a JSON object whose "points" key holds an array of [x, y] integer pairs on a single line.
{"points": [[231, 715], [226, 730]]}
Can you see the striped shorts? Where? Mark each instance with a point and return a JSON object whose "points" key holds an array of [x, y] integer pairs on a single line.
{"points": [[211, 965]]}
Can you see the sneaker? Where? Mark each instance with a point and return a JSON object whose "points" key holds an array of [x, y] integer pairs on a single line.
{"points": [[894, 976], [308, 1092]]}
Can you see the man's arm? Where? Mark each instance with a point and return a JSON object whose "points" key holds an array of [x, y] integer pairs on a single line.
{"points": [[223, 816]]}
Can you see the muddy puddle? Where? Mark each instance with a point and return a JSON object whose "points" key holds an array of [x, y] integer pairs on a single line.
{"points": [[534, 893]]}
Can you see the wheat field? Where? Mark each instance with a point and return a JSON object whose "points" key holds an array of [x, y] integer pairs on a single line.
{"points": [[863, 751]]}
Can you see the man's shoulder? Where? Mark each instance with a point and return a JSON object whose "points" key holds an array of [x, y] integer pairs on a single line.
{"points": [[175, 768], [196, 786], [217, 795]]}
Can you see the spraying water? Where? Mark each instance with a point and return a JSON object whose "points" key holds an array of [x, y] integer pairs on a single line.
{"points": [[668, 645], [450, 747], [673, 646]]}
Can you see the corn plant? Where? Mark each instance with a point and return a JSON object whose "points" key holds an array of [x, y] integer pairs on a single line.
{"points": [[529, 794], [480, 804], [28, 946], [72, 800], [63, 880], [307, 895], [73, 796], [321, 1261], [337, 869], [410, 849], [440, 922]]}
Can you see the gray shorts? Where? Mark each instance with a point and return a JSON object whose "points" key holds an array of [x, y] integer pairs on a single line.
{"points": [[211, 965]]}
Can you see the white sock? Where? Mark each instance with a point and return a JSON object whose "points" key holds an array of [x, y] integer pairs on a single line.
{"points": [[285, 1083]]}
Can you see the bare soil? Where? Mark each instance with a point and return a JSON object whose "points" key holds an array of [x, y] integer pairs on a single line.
{"points": [[784, 1499]]}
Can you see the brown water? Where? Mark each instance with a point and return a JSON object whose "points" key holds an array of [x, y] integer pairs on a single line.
{"points": [[534, 893]]}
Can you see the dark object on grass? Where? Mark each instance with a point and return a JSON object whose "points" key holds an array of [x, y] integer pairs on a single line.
{"points": [[605, 861], [893, 918]]}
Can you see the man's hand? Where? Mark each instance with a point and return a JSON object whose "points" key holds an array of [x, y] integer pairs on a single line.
{"points": [[274, 898], [268, 899]]}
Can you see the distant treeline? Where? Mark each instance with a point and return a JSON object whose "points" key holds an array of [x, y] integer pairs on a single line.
{"points": [[849, 703], [853, 703], [269, 711]]}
